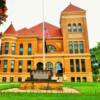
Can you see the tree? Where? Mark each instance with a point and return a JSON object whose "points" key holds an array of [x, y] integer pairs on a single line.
{"points": [[3, 9], [98, 45], [95, 62]]}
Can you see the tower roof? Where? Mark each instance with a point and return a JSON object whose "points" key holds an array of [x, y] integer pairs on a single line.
{"points": [[72, 8], [10, 30]]}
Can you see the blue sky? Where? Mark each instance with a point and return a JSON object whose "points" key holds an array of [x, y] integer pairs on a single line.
{"points": [[27, 13]]}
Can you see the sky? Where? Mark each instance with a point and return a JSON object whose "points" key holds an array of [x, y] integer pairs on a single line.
{"points": [[27, 13]]}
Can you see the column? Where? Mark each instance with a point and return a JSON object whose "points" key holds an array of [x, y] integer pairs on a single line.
{"points": [[9, 66]]}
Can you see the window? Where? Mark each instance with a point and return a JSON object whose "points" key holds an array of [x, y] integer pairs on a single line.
{"points": [[12, 65], [77, 66], [83, 65], [19, 79], [81, 47], [6, 47], [72, 79], [49, 66], [78, 79], [76, 46], [11, 79], [74, 27], [20, 66], [72, 65], [29, 49], [4, 79], [28, 66], [50, 48], [71, 47], [59, 68], [21, 49], [79, 27], [5, 66], [84, 79], [69, 28], [13, 48]]}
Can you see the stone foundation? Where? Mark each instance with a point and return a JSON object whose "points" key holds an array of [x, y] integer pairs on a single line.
{"points": [[41, 85]]}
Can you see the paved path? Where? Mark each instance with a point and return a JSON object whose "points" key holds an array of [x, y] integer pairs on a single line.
{"points": [[65, 90]]}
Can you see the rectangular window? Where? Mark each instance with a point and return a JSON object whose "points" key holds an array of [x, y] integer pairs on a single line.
{"points": [[4, 79], [72, 65], [11, 79], [6, 47], [12, 65], [76, 46], [71, 47], [77, 65], [19, 79], [21, 49], [20, 66], [72, 79], [29, 49], [78, 79], [81, 47], [83, 65], [5, 66], [28, 66], [13, 48], [84, 79]]}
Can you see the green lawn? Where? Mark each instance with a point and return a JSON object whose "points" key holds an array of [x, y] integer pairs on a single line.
{"points": [[89, 91], [4, 86], [85, 88], [40, 96]]}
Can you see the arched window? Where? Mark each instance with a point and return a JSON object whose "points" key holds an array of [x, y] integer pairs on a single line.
{"points": [[21, 49], [6, 47], [79, 27], [13, 48], [39, 66], [59, 68], [20, 65], [29, 49], [28, 65], [69, 28], [51, 48], [74, 27], [12, 65], [49, 66]]}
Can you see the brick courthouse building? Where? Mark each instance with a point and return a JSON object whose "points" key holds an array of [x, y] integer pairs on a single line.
{"points": [[67, 49]]}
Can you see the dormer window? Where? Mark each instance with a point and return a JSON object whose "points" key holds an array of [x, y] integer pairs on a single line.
{"points": [[50, 48]]}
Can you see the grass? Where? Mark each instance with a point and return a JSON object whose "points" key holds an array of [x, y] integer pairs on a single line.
{"points": [[85, 88], [41, 96], [4, 86], [89, 91]]}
